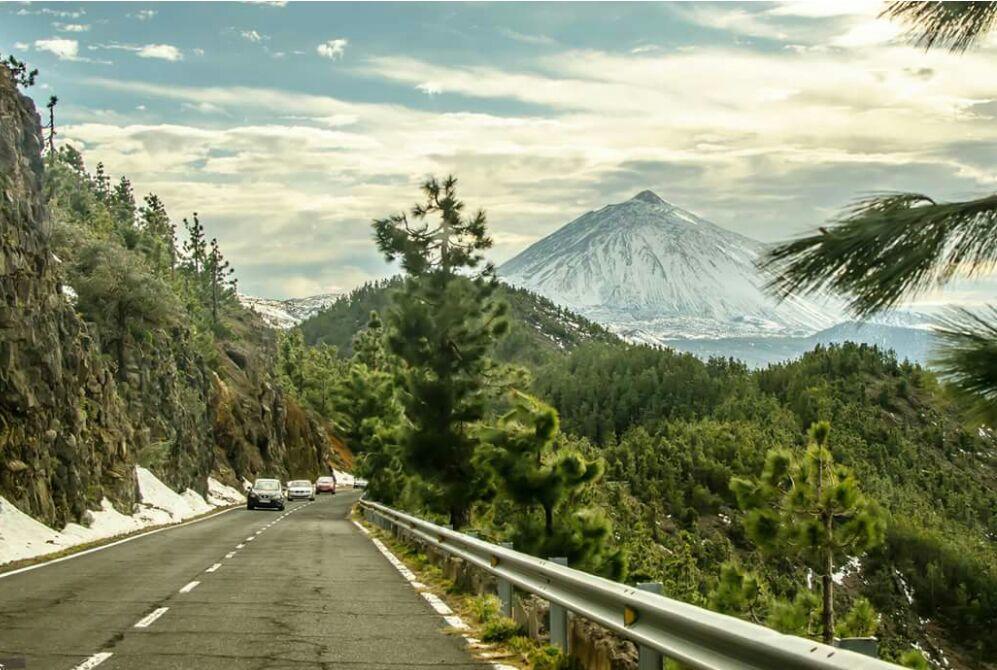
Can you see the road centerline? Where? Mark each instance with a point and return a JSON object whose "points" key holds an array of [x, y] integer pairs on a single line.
{"points": [[148, 619]]}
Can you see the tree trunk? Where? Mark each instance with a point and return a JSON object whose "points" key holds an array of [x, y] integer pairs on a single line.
{"points": [[828, 611], [549, 520], [459, 516]]}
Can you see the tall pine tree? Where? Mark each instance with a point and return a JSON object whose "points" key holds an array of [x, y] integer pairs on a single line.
{"points": [[441, 327], [812, 509]]}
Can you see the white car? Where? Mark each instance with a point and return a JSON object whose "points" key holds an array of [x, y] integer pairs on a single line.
{"points": [[300, 489]]}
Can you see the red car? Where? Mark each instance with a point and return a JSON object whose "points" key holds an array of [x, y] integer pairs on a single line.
{"points": [[325, 485]]}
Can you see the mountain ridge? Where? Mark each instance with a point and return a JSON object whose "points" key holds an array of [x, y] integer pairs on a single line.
{"points": [[649, 264]]}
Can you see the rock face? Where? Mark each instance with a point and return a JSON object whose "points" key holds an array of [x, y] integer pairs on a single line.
{"points": [[64, 435], [70, 434]]}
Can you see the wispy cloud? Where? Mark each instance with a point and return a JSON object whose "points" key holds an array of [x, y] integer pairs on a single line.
{"points": [[166, 52], [46, 11], [333, 49], [71, 27], [253, 36], [527, 38], [144, 14]]}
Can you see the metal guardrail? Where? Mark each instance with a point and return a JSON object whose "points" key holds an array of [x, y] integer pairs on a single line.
{"points": [[691, 635]]}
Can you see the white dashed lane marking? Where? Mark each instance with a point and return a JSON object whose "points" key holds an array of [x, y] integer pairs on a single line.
{"points": [[190, 587], [148, 619], [239, 546], [94, 661], [230, 554], [214, 567]]}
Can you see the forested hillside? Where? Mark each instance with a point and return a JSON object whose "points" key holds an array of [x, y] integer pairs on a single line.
{"points": [[537, 327], [122, 346], [673, 431]]}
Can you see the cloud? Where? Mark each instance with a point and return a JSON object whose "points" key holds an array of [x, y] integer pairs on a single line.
{"points": [[22, 46], [253, 36], [71, 27], [158, 51], [203, 107], [430, 88], [144, 14], [52, 12], [726, 18], [527, 38], [63, 48], [765, 141], [333, 49]]}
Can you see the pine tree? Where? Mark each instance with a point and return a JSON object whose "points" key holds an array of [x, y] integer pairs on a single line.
{"points": [[196, 246], [531, 472], [221, 283], [19, 71], [888, 248], [155, 222], [123, 206], [812, 509], [102, 184], [52, 102], [441, 327], [535, 473]]}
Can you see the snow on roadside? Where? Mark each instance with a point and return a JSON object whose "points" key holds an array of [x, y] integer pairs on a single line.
{"points": [[220, 494], [23, 537]]}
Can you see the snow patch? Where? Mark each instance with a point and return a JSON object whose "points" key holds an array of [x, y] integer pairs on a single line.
{"points": [[221, 495], [905, 587], [23, 537], [854, 565]]}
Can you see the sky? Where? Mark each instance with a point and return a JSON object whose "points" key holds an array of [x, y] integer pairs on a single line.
{"points": [[290, 126]]}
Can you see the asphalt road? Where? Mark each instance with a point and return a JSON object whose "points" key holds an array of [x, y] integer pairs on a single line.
{"points": [[303, 588]]}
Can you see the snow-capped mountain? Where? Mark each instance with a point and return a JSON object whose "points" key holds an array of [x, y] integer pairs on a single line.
{"points": [[651, 271], [288, 313]]}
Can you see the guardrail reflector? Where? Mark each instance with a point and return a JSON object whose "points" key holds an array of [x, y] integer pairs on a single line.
{"points": [[630, 616]]}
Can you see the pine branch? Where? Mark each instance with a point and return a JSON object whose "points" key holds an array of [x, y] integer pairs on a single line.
{"points": [[887, 248], [952, 25], [968, 360]]}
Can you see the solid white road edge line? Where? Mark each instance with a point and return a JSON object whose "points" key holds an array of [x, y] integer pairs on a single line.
{"points": [[147, 620], [440, 607], [214, 567], [114, 544]]}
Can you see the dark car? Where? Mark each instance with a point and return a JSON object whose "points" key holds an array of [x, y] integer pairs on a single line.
{"points": [[266, 493], [325, 485]]}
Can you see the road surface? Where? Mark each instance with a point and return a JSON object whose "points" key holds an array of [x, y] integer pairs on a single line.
{"points": [[243, 590]]}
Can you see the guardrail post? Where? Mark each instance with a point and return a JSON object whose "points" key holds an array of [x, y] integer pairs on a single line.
{"points": [[647, 658], [559, 616], [504, 588]]}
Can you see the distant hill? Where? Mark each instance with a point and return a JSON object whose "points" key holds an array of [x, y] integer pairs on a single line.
{"points": [[287, 313], [913, 344], [538, 326]]}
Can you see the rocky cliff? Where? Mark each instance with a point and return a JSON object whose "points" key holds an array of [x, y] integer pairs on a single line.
{"points": [[70, 433]]}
